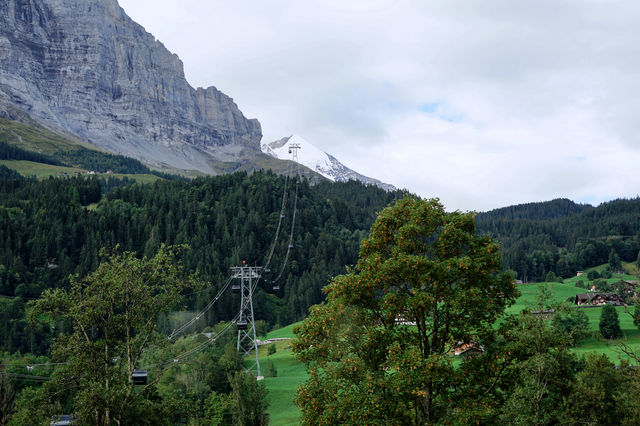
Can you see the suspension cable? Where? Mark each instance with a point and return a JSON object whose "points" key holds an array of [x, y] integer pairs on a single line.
{"points": [[200, 347], [293, 223], [284, 203], [189, 323]]}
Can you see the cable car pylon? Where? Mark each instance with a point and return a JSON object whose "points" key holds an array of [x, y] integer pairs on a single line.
{"points": [[247, 340]]}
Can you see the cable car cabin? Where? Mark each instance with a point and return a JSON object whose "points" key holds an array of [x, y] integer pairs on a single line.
{"points": [[242, 325], [235, 288], [139, 377], [62, 420]]}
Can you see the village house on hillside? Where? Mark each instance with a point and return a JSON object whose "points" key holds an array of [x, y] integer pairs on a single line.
{"points": [[628, 289], [598, 299]]}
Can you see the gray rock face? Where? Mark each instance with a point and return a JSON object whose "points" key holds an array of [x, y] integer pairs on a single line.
{"points": [[84, 67]]}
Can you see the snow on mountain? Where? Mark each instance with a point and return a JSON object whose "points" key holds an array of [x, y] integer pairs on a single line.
{"points": [[319, 161]]}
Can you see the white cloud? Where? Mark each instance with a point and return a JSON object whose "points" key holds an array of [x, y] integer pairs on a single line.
{"points": [[483, 103]]}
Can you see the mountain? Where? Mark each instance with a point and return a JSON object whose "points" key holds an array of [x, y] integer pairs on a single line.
{"points": [[562, 236], [85, 69], [318, 161], [560, 207]]}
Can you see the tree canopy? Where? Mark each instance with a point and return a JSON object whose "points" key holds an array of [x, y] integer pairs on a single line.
{"points": [[113, 313], [377, 349]]}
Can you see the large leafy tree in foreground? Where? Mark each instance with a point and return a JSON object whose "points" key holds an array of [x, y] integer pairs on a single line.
{"points": [[367, 362], [113, 314]]}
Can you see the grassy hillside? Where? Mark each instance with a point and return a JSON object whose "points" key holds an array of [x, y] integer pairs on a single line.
{"points": [[291, 373], [560, 292], [33, 137], [40, 171]]}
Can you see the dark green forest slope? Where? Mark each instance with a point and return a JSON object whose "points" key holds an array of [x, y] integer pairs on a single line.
{"points": [[562, 236], [56, 227]]}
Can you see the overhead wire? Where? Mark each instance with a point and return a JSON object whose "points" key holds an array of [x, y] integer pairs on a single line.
{"points": [[176, 332], [293, 223], [26, 376], [277, 233], [178, 358], [33, 365]]}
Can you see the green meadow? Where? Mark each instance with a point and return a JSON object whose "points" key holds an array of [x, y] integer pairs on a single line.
{"points": [[43, 171], [290, 373], [561, 292]]}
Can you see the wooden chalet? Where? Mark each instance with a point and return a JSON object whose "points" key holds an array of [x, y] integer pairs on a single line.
{"points": [[598, 299]]}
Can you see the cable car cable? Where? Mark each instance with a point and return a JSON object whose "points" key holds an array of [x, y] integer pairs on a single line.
{"points": [[197, 317]]}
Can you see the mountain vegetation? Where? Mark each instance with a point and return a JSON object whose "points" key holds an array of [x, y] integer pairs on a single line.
{"points": [[380, 350], [563, 237], [51, 229], [80, 157], [63, 237], [419, 266]]}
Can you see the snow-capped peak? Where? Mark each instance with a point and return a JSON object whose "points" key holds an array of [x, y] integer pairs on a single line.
{"points": [[317, 160]]}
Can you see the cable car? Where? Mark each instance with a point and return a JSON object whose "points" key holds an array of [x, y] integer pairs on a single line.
{"points": [[235, 288], [290, 246], [139, 377], [242, 325]]}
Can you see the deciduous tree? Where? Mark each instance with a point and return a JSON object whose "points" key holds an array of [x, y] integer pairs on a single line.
{"points": [[377, 350], [113, 312]]}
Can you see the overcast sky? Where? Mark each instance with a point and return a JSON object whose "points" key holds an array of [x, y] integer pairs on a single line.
{"points": [[483, 104]]}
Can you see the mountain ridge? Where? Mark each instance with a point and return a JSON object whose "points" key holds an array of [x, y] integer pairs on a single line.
{"points": [[319, 161], [88, 70]]}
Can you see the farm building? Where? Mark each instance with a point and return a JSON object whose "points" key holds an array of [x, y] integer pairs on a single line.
{"points": [[598, 299]]}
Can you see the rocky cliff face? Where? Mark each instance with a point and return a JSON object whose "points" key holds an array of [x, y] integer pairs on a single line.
{"points": [[84, 67]]}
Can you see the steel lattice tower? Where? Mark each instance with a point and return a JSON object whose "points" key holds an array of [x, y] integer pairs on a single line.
{"points": [[293, 149], [247, 341]]}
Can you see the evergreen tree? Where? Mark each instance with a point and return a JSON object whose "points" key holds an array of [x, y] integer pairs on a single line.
{"points": [[609, 323], [249, 403], [614, 261], [551, 277]]}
